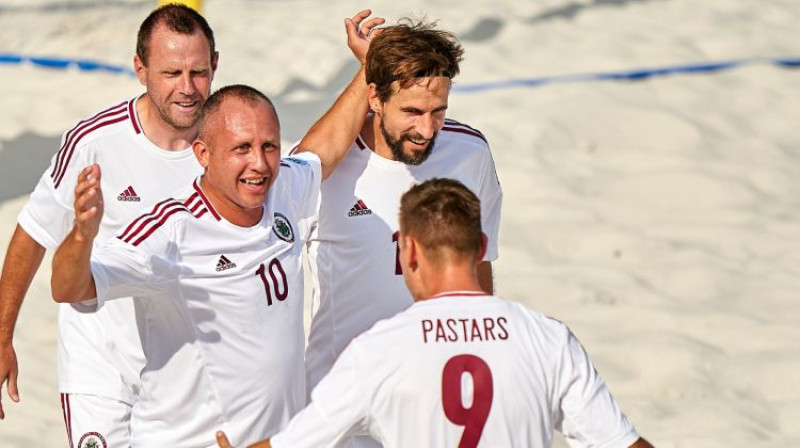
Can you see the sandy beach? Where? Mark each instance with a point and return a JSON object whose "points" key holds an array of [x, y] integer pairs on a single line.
{"points": [[658, 218]]}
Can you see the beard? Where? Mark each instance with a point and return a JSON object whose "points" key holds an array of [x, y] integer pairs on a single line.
{"points": [[396, 146]]}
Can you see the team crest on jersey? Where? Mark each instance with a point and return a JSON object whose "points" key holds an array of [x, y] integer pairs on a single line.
{"points": [[283, 228], [92, 440]]}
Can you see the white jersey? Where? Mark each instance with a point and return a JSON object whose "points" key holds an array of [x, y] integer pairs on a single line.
{"points": [[353, 252], [462, 369], [219, 309], [100, 353]]}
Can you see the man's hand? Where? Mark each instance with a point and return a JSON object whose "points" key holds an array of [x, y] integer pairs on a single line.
{"points": [[360, 33], [8, 372], [88, 203], [222, 441]]}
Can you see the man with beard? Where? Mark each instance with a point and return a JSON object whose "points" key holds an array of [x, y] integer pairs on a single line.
{"points": [[406, 139], [144, 148]]}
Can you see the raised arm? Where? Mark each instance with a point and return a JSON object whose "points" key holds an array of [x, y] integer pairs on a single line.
{"points": [[72, 279], [333, 134]]}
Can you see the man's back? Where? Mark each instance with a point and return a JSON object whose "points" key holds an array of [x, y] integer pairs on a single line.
{"points": [[466, 370]]}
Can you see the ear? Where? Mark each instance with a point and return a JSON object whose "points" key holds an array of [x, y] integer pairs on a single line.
{"points": [[202, 152], [410, 252], [214, 62], [140, 69], [375, 102], [484, 247]]}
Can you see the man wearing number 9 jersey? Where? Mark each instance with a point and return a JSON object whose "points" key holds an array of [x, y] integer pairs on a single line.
{"points": [[459, 368]]}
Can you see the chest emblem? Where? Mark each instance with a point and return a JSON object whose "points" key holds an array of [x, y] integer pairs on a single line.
{"points": [[224, 263], [359, 209], [283, 228], [129, 195]]}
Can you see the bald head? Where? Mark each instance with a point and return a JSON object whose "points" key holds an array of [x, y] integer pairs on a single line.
{"points": [[247, 95]]}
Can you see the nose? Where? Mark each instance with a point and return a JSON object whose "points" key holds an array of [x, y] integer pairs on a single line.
{"points": [[186, 84], [258, 161], [426, 126]]}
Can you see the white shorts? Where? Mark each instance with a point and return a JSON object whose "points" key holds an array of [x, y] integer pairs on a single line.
{"points": [[96, 422]]}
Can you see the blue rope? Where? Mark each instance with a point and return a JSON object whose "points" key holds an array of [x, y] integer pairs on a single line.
{"points": [[624, 75], [86, 65], [627, 75]]}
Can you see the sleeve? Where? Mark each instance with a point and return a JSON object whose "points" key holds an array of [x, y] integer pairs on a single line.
{"points": [[122, 269], [338, 409], [48, 215], [491, 196], [305, 188], [589, 415]]}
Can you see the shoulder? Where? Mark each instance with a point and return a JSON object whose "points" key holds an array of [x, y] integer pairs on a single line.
{"points": [[456, 130], [186, 205], [109, 120], [118, 119]]}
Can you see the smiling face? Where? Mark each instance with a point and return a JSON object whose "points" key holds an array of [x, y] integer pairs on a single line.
{"points": [[411, 118], [178, 75], [240, 150]]}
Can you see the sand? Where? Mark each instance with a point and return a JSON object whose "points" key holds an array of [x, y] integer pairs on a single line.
{"points": [[657, 218]]}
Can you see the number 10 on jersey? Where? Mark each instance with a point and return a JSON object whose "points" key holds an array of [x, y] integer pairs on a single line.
{"points": [[276, 283]]}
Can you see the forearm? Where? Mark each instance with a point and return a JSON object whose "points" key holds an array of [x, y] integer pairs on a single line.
{"points": [[641, 443], [72, 279], [485, 277], [23, 257], [332, 135]]}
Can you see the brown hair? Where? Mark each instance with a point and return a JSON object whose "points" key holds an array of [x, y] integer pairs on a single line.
{"points": [[443, 216], [178, 18], [241, 92], [408, 51]]}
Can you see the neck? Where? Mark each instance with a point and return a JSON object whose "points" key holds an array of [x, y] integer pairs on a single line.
{"points": [[450, 278], [161, 133], [231, 212], [373, 137]]}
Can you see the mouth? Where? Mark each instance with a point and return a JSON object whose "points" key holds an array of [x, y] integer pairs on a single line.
{"points": [[187, 106], [255, 181]]}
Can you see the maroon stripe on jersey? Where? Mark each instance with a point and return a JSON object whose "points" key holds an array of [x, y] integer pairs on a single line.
{"points": [[130, 191], [450, 121], [71, 150], [78, 128], [194, 204], [67, 417], [134, 118], [167, 209], [361, 145], [459, 293], [144, 217], [160, 222], [465, 131], [206, 201], [362, 204]]}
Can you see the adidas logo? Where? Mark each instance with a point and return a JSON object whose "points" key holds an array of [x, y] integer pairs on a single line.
{"points": [[129, 196], [224, 263], [360, 209]]}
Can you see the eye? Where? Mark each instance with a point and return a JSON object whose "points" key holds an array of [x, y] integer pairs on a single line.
{"points": [[269, 147]]}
